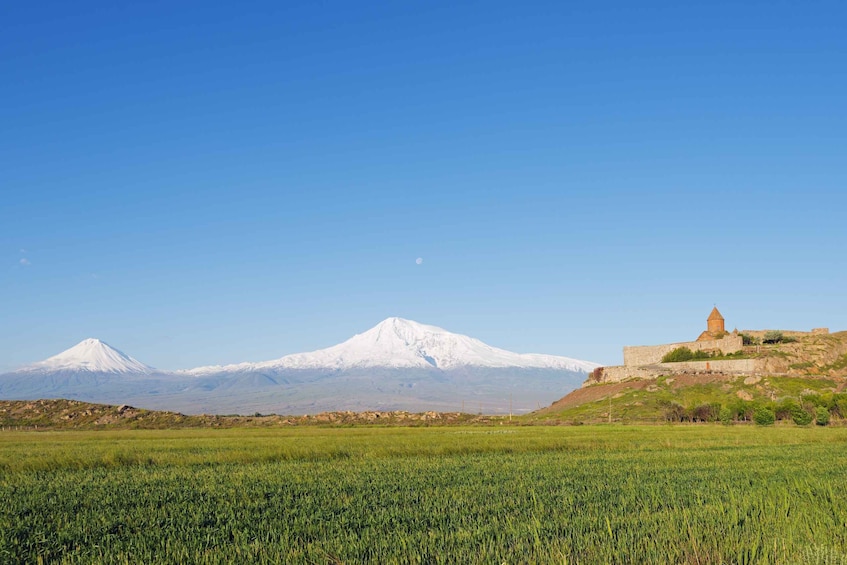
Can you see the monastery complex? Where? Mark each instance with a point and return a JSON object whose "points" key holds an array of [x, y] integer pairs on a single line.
{"points": [[645, 362]]}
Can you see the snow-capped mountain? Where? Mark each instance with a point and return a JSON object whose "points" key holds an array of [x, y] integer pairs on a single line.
{"points": [[396, 343], [91, 370], [396, 365], [92, 356]]}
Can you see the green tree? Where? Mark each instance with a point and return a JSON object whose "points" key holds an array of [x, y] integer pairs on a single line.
{"points": [[773, 336]]}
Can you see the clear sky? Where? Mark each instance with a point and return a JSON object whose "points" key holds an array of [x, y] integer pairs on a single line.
{"points": [[215, 182]]}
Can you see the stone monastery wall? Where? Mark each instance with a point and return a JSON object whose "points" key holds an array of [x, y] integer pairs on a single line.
{"points": [[634, 356], [726, 366]]}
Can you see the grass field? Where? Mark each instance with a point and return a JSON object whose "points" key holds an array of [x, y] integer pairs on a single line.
{"points": [[589, 494]]}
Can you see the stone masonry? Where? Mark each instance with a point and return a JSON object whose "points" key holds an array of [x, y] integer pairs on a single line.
{"points": [[635, 356], [645, 362]]}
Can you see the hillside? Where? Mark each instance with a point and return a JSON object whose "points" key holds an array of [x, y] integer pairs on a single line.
{"points": [[802, 370], [696, 398], [801, 353], [62, 414]]}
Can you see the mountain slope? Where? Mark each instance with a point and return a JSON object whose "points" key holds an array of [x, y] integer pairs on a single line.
{"points": [[92, 356], [396, 365], [91, 370], [405, 344]]}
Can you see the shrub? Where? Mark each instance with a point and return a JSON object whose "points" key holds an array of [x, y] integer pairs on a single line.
{"points": [[678, 354], [725, 416], [764, 416], [840, 405], [742, 410], [785, 409], [773, 336], [748, 339], [706, 412], [683, 354], [821, 416], [801, 417], [675, 413], [814, 398]]}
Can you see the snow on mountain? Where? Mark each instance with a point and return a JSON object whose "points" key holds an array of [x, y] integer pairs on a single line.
{"points": [[404, 344], [92, 356], [397, 365]]}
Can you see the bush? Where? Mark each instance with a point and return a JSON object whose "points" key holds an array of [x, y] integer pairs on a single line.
{"points": [[742, 410], [748, 339], [840, 405], [706, 412], [785, 409], [773, 336], [677, 355], [821, 416], [764, 417], [725, 416], [814, 399], [684, 354], [800, 416], [675, 413]]}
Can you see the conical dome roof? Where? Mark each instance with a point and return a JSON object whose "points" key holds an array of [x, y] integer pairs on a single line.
{"points": [[715, 315]]}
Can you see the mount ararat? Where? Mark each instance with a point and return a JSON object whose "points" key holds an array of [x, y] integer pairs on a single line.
{"points": [[396, 365]]}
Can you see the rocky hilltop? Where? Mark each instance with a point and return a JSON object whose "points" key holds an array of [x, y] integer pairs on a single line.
{"points": [[799, 353], [793, 371], [53, 414]]}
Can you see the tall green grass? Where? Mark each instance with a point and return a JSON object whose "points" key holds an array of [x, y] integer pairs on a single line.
{"points": [[706, 494]]}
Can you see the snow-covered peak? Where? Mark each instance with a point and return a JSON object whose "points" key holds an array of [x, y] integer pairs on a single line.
{"points": [[398, 343], [91, 355]]}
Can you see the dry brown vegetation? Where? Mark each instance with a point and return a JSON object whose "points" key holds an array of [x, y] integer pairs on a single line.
{"points": [[75, 414]]}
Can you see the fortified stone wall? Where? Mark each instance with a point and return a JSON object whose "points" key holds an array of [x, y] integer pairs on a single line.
{"points": [[727, 367], [787, 333], [634, 356], [620, 373]]}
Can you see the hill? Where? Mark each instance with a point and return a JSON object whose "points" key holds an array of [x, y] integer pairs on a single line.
{"points": [[802, 371], [63, 414], [697, 398], [798, 353]]}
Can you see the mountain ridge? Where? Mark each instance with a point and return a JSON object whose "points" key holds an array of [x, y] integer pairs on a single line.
{"points": [[400, 343], [396, 365]]}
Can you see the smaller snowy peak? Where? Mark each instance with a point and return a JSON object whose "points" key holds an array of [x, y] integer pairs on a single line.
{"points": [[90, 355]]}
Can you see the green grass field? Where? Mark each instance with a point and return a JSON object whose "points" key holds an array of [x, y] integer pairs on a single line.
{"points": [[588, 494]]}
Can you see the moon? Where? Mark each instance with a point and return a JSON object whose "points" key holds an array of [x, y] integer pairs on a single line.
{"points": [[419, 260]]}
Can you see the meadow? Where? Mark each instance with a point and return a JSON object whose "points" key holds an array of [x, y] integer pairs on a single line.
{"points": [[496, 494]]}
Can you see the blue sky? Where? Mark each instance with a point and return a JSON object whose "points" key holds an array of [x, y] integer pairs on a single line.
{"points": [[219, 182]]}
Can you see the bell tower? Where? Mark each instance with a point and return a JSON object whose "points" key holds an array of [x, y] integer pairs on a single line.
{"points": [[715, 323]]}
